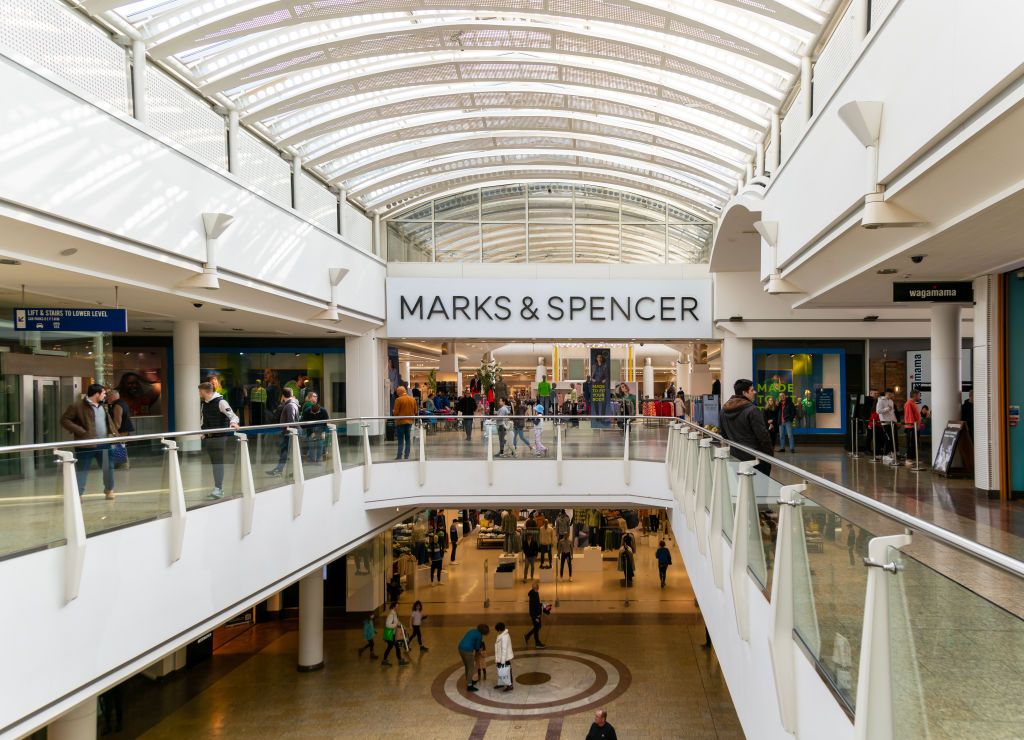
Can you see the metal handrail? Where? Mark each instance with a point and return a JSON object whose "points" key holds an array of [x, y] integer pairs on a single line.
{"points": [[987, 554], [318, 422]]}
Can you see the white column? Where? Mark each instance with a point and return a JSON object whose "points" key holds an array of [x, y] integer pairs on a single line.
{"points": [[366, 367], [139, 63], [376, 234], [985, 376], [682, 369], [737, 362], [274, 606], [946, 375], [98, 359], [648, 378], [342, 197], [806, 87], [311, 622], [541, 370], [776, 145], [78, 723], [759, 159], [233, 163], [700, 379], [862, 12], [296, 177], [185, 344], [407, 372]]}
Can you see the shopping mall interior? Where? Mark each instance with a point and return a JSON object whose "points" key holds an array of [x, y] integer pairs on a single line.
{"points": [[512, 370]]}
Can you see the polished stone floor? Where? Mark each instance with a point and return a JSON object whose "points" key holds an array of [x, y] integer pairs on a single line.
{"points": [[645, 663]]}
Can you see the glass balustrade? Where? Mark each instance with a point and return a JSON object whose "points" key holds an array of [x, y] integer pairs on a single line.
{"points": [[31, 501], [955, 654], [138, 473]]}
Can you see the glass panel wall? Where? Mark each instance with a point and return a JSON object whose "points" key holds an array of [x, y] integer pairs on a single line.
{"points": [[548, 222]]}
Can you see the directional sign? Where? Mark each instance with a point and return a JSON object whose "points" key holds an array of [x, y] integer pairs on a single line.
{"points": [[70, 319]]}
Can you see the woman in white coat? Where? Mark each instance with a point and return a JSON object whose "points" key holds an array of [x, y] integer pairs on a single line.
{"points": [[503, 655]]}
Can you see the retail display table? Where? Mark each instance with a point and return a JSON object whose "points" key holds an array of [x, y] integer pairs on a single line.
{"points": [[589, 561]]}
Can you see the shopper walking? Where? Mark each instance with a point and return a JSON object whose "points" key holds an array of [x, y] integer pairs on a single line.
{"points": [[503, 425], [216, 414], [912, 423], [519, 427], [404, 412], [121, 413], [564, 555], [771, 419], [785, 416], [436, 553], [530, 550], [453, 535], [316, 434], [393, 637], [88, 418], [743, 423], [288, 414], [536, 612], [538, 432], [503, 656], [601, 729], [417, 624], [369, 632], [664, 558], [467, 407], [470, 644], [886, 408]]}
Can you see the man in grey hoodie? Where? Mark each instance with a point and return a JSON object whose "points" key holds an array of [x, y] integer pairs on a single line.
{"points": [[743, 423], [288, 414]]}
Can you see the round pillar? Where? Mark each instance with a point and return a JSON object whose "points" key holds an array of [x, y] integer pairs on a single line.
{"points": [[946, 379], [185, 340], [541, 370], [648, 378], [78, 723], [311, 622]]}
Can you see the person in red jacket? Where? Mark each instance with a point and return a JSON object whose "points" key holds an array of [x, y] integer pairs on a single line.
{"points": [[912, 422]]}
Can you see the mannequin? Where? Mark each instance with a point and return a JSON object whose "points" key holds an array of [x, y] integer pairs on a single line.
{"points": [[807, 404], [508, 528], [257, 403]]}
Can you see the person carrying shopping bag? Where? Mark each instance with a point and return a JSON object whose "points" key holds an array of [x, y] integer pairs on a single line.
{"points": [[503, 656]]}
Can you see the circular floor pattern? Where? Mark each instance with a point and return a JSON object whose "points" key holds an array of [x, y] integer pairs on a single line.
{"points": [[555, 682]]}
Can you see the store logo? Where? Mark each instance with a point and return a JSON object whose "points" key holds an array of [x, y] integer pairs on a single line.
{"points": [[555, 308]]}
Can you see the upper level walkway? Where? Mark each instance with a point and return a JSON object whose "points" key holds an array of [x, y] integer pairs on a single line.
{"points": [[940, 622]]}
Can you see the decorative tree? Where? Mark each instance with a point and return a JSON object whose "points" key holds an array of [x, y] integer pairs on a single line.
{"points": [[432, 381], [488, 374]]}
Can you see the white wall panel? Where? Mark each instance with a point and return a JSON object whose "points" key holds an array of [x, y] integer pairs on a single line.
{"points": [[932, 63], [179, 115], [63, 156], [317, 203], [261, 167]]}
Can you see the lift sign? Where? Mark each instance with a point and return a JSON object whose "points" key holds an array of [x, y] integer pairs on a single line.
{"points": [[71, 319]]}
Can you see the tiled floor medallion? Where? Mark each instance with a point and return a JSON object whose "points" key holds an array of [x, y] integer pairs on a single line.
{"points": [[548, 683]]}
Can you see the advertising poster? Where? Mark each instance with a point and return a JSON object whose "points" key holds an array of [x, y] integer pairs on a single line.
{"points": [[394, 378], [770, 383], [600, 379]]}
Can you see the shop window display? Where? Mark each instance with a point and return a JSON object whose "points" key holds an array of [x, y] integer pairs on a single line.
{"points": [[814, 380], [252, 382]]}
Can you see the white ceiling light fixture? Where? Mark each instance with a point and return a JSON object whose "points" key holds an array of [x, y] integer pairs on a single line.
{"points": [[331, 313], [214, 225], [776, 284], [864, 119]]}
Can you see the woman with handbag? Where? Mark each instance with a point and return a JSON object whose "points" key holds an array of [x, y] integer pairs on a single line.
{"points": [[503, 656], [391, 636]]}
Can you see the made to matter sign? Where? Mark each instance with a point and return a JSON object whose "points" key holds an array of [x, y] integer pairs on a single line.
{"points": [[71, 319], [510, 308]]}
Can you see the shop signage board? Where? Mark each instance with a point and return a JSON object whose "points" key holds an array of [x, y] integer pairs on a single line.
{"points": [[548, 309], [71, 319], [919, 374], [825, 400], [948, 292]]}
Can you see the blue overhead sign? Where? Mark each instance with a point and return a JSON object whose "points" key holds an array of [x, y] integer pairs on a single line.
{"points": [[70, 319]]}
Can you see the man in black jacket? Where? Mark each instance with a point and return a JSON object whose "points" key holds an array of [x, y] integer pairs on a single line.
{"points": [[743, 423], [467, 407], [536, 610]]}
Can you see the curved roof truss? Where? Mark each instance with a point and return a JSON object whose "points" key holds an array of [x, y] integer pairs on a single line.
{"points": [[401, 100]]}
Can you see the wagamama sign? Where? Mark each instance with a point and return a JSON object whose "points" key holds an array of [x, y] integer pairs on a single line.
{"points": [[542, 309]]}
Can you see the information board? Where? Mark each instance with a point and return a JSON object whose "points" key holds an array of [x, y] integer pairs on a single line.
{"points": [[953, 440], [71, 319], [825, 400]]}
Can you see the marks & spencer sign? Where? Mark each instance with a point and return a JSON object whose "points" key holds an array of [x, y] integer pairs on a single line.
{"points": [[548, 308]]}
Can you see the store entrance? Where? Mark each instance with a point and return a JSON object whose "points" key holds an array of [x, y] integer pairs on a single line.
{"points": [[50, 396]]}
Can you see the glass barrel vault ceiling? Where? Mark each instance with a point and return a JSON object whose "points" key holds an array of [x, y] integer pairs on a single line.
{"points": [[401, 101]]}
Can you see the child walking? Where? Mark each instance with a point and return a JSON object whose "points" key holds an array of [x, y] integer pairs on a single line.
{"points": [[369, 632], [417, 620], [538, 430]]}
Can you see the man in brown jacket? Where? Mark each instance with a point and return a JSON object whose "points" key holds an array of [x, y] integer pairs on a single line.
{"points": [[405, 408], [88, 418]]}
